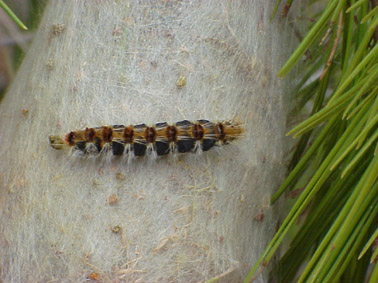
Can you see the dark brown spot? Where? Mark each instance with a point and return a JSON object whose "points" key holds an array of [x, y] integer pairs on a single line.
{"points": [[98, 144], [107, 134], [260, 217], [185, 145], [183, 123], [220, 131], [162, 148], [81, 146], [161, 125], [118, 148], [70, 138], [203, 122], [139, 149], [140, 126], [117, 126], [128, 134], [171, 133], [197, 131], [89, 134], [207, 144], [150, 134]]}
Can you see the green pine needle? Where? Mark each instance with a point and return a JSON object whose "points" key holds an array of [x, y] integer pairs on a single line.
{"points": [[12, 15], [368, 246]]}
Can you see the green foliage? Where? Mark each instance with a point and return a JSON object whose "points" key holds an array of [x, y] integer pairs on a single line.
{"points": [[12, 15], [338, 146]]}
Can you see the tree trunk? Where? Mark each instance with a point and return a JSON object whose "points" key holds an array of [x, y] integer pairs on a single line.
{"points": [[179, 218]]}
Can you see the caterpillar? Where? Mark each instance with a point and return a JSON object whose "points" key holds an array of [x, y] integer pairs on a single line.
{"points": [[161, 138]]}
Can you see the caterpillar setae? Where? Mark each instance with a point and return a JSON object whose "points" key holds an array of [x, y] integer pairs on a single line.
{"points": [[161, 138]]}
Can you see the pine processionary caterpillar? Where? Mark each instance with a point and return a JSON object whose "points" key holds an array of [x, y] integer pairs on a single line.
{"points": [[161, 138]]}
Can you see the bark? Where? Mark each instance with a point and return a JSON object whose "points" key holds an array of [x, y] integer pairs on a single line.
{"points": [[182, 218]]}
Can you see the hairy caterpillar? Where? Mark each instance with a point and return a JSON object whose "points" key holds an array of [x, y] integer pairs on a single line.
{"points": [[161, 138]]}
